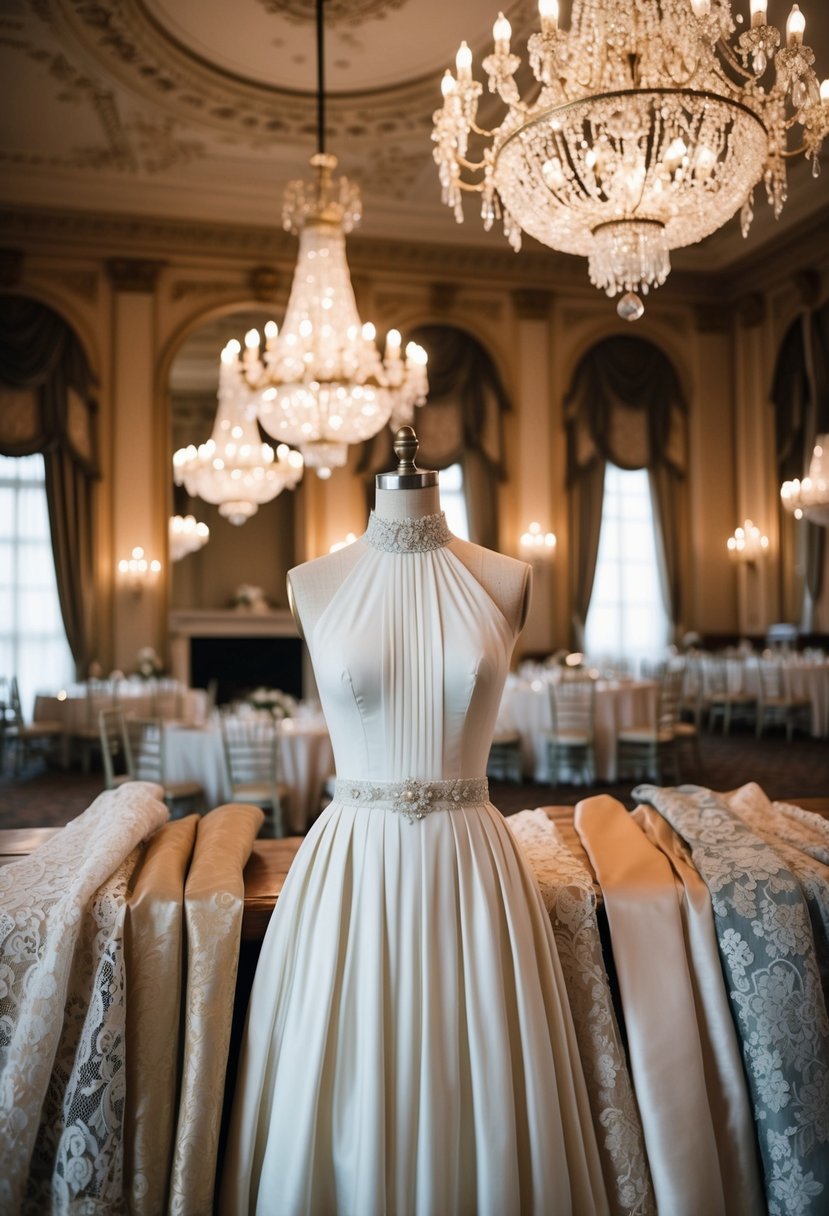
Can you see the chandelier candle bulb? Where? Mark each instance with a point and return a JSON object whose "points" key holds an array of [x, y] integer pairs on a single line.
{"points": [[758, 12], [701, 7], [501, 33], [463, 63], [824, 91], [795, 26], [548, 11]]}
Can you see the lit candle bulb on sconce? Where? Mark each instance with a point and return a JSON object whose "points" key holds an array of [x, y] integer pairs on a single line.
{"points": [[138, 571], [537, 544], [747, 544]]}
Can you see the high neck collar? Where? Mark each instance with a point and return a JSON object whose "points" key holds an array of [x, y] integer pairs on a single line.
{"points": [[418, 535]]}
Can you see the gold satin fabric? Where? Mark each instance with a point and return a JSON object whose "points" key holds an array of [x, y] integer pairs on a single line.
{"points": [[725, 1077], [666, 1055], [213, 906], [154, 954]]}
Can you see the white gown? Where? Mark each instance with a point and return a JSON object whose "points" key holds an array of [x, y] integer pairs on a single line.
{"points": [[409, 1048]]}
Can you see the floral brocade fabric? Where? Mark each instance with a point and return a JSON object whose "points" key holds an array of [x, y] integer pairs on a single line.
{"points": [[768, 956]]}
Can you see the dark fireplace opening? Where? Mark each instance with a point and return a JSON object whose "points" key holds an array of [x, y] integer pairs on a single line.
{"points": [[241, 664]]}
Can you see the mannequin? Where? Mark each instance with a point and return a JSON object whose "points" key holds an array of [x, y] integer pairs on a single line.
{"points": [[409, 493]]}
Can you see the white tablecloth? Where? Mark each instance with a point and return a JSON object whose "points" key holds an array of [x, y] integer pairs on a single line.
{"points": [[525, 707], [306, 760]]}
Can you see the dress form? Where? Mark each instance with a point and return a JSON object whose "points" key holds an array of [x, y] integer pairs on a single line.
{"points": [[409, 493]]}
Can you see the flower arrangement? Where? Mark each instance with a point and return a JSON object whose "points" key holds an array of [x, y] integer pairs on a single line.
{"points": [[274, 701], [247, 598], [147, 663]]}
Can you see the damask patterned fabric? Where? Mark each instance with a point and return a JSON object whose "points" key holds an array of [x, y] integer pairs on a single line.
{"points": [[570, 899], [767, 950], [61, 985]]}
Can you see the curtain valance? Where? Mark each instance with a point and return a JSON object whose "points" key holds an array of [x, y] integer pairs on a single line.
{"points": [[47, 391]]}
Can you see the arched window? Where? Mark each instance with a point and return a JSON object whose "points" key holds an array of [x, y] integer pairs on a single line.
{"points": [[460, 425], [626, 618], [625, 412]]}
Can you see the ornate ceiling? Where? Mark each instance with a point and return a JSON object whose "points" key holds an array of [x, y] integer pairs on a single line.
{"points": [[204, 109]]}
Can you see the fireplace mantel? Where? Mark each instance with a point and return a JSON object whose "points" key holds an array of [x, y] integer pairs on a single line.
{"points": [[187, 625], [232, 623]]}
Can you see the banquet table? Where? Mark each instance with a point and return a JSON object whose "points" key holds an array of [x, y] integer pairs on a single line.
{"points": [[305, 755], [77, 709], [525, 708]]}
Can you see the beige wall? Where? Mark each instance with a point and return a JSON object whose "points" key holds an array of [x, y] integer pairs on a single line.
{"points": [[134, 293]]}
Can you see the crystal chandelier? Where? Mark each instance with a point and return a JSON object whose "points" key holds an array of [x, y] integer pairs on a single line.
{"points": [[234, 469], [809, 498], [648, 127], [187, 535], [321, 383]]}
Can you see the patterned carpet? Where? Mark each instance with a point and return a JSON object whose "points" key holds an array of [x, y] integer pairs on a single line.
{"points": [[800, 769]]}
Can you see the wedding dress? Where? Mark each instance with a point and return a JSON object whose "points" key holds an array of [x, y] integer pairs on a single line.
{"points": [[409, 1046]]}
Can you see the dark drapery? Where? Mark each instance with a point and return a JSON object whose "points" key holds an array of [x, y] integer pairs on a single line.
{"points": [[48, 405], [800, 394], [625, 405], [462, 421]]}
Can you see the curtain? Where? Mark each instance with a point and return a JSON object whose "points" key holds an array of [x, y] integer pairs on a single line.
{"points": [[461, 422], [800, 395], [625, 405], [48, 404]]}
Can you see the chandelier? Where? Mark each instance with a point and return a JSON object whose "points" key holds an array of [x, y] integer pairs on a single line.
{"points": [[648, 126], [187, 535], [809, 498], [320, 383], [235, 469]]}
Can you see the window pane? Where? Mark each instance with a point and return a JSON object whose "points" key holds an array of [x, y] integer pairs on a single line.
{"points": [[33, 643], [627, 618], [453, 501]]}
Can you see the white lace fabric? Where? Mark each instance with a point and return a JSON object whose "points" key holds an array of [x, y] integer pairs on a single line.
{"points": [[62, 1008], [408, 535], [570, 899]]}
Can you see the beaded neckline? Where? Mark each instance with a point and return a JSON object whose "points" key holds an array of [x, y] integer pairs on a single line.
{"points": [[408, 535]]}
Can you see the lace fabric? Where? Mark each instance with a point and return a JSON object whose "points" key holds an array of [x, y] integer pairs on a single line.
{"points": [[768, 956], [414, 799], [408, 535], [60, 984]]}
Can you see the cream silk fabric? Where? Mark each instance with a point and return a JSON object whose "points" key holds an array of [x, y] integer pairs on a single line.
{"points": [[62, 1007], [155, 956], [409, 1045], [725, 1078], [666, 1054], [214, 898], [570, 899]]}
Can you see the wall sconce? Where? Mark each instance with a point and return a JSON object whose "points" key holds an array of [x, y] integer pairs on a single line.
{"points": [[536, 544], [138, 571], [748, 544]]}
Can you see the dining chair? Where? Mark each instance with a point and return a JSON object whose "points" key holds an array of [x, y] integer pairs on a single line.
{"points": [[728, 700], [776, 706], [650, 749], [86, 734], [27, 738], [251, 747], [570, 744], [114, 747], [145, 762], [504, 762]]}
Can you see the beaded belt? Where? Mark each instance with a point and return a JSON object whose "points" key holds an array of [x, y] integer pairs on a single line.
{"points": [[413, 798]]}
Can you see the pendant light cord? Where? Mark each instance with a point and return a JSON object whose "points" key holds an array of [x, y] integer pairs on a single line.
{"points": [[320, 81]]}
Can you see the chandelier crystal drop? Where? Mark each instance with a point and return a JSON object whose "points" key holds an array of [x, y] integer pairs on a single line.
{"points": [[235, 470], [647, 128], [187, 535], [809, 498], [320, 383]]}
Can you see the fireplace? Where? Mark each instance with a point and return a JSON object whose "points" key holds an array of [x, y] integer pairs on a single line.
{"points": [[241, 651]]}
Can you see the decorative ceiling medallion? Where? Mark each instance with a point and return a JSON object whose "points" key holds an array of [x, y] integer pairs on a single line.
{"points": [[337, 12]]}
